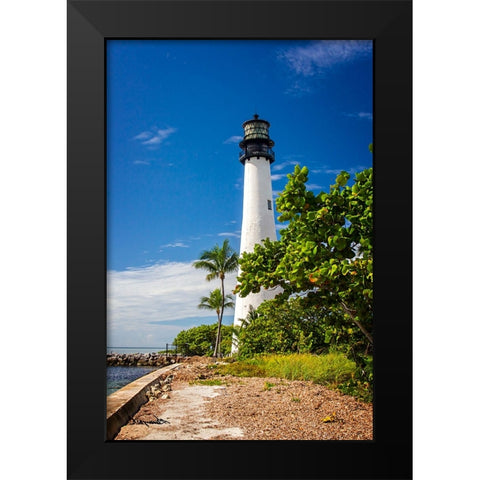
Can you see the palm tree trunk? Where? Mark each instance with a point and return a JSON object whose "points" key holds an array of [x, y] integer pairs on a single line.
{"points": [[220, 318], [218, 339]]}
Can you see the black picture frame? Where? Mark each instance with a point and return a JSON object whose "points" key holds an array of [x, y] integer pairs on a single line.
{"points": [[89, 24]]}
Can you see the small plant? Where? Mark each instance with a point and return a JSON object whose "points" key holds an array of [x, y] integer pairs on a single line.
{"points": [[268, 385], [295, 399], [208, 381]]}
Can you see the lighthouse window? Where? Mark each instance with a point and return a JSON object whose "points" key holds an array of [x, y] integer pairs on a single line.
{"points": [[269, 204]]}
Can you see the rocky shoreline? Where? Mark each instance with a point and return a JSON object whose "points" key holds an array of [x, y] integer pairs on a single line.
{"points": [[142, 359]]}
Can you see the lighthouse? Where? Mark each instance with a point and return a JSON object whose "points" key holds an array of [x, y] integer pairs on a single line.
{"points": [[258, 221]]}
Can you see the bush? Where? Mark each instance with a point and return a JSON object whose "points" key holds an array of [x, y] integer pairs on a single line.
{"points": [[361, 385], [285, 327], [201, 340]]}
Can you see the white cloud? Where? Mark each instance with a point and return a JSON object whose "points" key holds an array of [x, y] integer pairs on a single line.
{"points": [[155, 136], [175, 245], [229, 234], [141, 162], [298, 88], [278, 176], [313, 186], [360, 115], [233, 139], [143, 136], [319, 56], [327, 170], [335, 171], [156, 300], [316, 59], [281, 166]]}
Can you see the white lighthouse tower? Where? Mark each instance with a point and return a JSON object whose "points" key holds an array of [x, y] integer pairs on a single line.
{"points": [[258, 217]]}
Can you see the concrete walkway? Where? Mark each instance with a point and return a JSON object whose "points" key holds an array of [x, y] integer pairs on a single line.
{"points": [[185, 419]]}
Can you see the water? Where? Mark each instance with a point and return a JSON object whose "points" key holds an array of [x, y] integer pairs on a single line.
{"points": [[118, 377]]}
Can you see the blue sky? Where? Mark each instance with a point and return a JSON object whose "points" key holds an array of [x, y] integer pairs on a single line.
{"points": [[175, 110]]}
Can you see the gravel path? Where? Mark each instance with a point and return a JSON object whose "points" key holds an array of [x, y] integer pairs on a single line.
{"points": [[248, 409]]}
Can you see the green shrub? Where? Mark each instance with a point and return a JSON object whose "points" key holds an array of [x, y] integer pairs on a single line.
{"points": [[355, 388], [361, 385], [201, 340], [285, 327]]}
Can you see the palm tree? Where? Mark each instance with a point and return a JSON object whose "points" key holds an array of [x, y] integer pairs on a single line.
{"points": [[216, 302], [217, 262]]}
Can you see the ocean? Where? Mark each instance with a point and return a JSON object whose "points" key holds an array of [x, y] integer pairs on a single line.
{"points": [[118, 377]]}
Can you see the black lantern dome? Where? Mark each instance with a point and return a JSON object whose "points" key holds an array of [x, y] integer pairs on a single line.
{"points": [[256, 141]]}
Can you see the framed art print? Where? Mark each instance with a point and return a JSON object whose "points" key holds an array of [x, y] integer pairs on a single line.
{"points": [[238, 174]]}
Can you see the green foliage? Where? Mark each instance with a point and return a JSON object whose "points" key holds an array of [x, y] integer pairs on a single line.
{"points": [[283, 327], [201, 340], [361, 385], [295, 325], [218, 261], [324, 255], [215, 301], [327, 369]]}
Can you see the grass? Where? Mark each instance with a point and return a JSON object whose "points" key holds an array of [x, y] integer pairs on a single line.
{"points": [[328, 369], [333, 370], [243, 368]]}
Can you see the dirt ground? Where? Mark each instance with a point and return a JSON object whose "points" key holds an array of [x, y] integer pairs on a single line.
{"points": [[247, 409]]}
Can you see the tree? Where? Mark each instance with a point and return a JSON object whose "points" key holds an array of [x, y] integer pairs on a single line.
{"points": [[217, 262], [217, 303], [201, 340], [325, 254]]}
